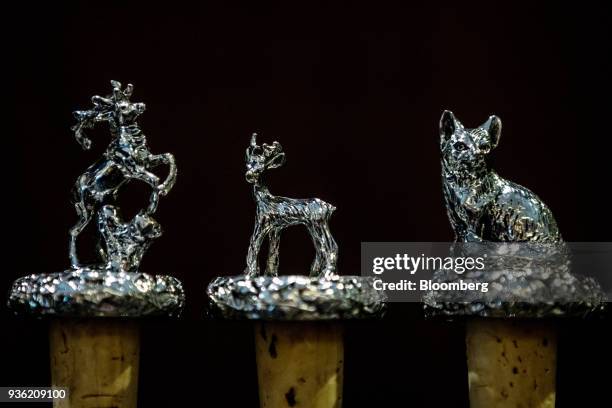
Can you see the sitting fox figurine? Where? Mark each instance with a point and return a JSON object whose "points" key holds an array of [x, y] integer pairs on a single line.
{"points": [[481, 205]]}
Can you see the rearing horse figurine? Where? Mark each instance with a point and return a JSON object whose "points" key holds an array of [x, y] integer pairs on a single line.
{"points": [[277, 213], [126, 158]]}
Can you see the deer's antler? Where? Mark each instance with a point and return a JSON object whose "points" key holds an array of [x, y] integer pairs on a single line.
{"points": [[121, 95]]}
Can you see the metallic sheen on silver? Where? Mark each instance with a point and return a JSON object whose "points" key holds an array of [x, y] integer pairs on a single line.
{"points": [[113, 287], [276, 213], [88, 293], [323, 295], [126, 158], [525, 280], [295, 298], [533, 281], [481, 205]]}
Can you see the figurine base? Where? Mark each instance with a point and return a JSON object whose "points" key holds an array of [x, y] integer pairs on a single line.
{"points": [[295, 298], [299, 364], [524, 280], [97, 360], [511, 364], [97, 293]]}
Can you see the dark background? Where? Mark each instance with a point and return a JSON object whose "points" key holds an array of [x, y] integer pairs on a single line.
{"points": [[354, 94]]}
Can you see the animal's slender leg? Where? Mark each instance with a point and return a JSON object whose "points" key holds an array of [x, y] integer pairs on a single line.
{"points": [[84, 218], [259, 233], [471, 237], [315, 234], [330, 251], [153, 202], [152, 180], [165, 158], [273, 253], [101, 251]]}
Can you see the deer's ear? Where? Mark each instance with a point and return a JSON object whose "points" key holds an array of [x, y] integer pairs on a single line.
{"points": [[493, 127], [276, 161], [448, 125]]}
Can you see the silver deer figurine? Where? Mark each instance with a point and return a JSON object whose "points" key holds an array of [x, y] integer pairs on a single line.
{"points": [[277, 213], [126, 158]]}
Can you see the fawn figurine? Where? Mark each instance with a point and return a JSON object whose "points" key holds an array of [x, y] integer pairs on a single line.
{"points": [[277, 213], [481, 205]]}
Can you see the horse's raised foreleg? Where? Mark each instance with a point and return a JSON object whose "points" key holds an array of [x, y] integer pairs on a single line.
{"points": [[152, 180], [153, 202], [168, 159]]}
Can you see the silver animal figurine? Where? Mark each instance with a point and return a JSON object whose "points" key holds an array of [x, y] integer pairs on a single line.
{"points": [[481, 205], [125, 243], [277, 213], [126, 158]]}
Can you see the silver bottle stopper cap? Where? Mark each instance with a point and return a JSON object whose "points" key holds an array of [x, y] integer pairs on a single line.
{"points": [[532, 279], [113, 287], [324, 295]]}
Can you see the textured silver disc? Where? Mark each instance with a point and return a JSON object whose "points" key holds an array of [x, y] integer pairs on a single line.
{"points": [[91, 292], [295, 297]]}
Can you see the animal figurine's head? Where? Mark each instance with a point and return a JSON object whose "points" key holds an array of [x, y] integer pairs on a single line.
{"points": [[144, 227], [260, 158], [466, 149], [141, 228], [115, 109]]}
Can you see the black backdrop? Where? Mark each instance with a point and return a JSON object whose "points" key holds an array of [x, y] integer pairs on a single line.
{"points": [[354, 94]]}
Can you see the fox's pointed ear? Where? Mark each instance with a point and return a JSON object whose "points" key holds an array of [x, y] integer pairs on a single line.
{"points": [[448, 125], [493, 126]]}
